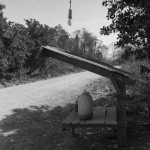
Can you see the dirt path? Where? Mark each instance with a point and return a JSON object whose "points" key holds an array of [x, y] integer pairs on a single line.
{"points": [[51, 92]]}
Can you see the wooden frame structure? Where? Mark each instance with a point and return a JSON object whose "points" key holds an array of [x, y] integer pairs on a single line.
{"points": [[118, 77]]}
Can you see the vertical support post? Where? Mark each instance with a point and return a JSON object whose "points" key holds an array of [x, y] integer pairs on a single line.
{"points": [[120, 87], [121, 116]]}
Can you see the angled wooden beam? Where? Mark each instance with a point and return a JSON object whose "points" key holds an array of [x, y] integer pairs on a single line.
{"points": [[100, 68], [74, 60]]}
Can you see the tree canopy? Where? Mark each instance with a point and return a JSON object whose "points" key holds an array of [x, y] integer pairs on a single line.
{"points": [[130, 20], [20, 43]]}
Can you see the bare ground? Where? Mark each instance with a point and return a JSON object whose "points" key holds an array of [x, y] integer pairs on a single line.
{"points": [[31, 116], [53, 92]]}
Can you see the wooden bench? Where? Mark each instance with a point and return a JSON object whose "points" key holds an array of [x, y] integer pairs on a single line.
{"points": [[119, 79], [102, 117]]}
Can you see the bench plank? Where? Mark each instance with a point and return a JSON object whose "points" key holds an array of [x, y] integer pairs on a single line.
{"points": [[98, 117]]}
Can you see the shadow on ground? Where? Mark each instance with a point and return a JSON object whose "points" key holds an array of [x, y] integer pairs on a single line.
{"points": [[34, 128], [39, 128]]}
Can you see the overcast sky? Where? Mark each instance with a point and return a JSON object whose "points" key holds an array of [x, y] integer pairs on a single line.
{"points": [[87, 14]]}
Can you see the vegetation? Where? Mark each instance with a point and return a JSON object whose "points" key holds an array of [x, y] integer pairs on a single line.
{"points": [[20, 43], [130, 20]]}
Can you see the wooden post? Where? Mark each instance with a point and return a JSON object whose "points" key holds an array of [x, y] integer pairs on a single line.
{"points": [[121, 123], [121, 116], [120, 87]]}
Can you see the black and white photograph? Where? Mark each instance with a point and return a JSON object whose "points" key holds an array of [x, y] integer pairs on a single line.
{"points": [[74, 74]]}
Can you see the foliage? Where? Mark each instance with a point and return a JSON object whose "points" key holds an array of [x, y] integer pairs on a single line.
{"points": [[20, 43], [129, 19], [87, 45]]}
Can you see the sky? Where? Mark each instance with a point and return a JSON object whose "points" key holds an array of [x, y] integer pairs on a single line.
{"points": [[89, 14]]}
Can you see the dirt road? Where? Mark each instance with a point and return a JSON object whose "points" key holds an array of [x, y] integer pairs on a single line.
{"points": [[51, 92]]}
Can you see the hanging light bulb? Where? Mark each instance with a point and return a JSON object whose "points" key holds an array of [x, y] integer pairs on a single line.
{"points": [[70, 15]]}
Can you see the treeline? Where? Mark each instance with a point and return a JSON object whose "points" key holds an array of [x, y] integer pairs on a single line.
{"points": [[20, 43]]}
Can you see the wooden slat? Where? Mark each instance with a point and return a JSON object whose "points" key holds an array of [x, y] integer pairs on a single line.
{"points": [[98, 117], [111, 117]]}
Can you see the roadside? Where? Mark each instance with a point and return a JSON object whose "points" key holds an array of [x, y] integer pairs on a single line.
{"points": [[39, 126], [52, 92]]}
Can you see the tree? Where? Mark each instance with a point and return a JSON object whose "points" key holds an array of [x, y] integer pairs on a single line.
{"points": [[19, 45], [86, 43], [6, 40], [130, 20], [2, 20], [38, 35], [15, 48], [20, 48], [43, 35], [102, 48], [61, 37]]}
